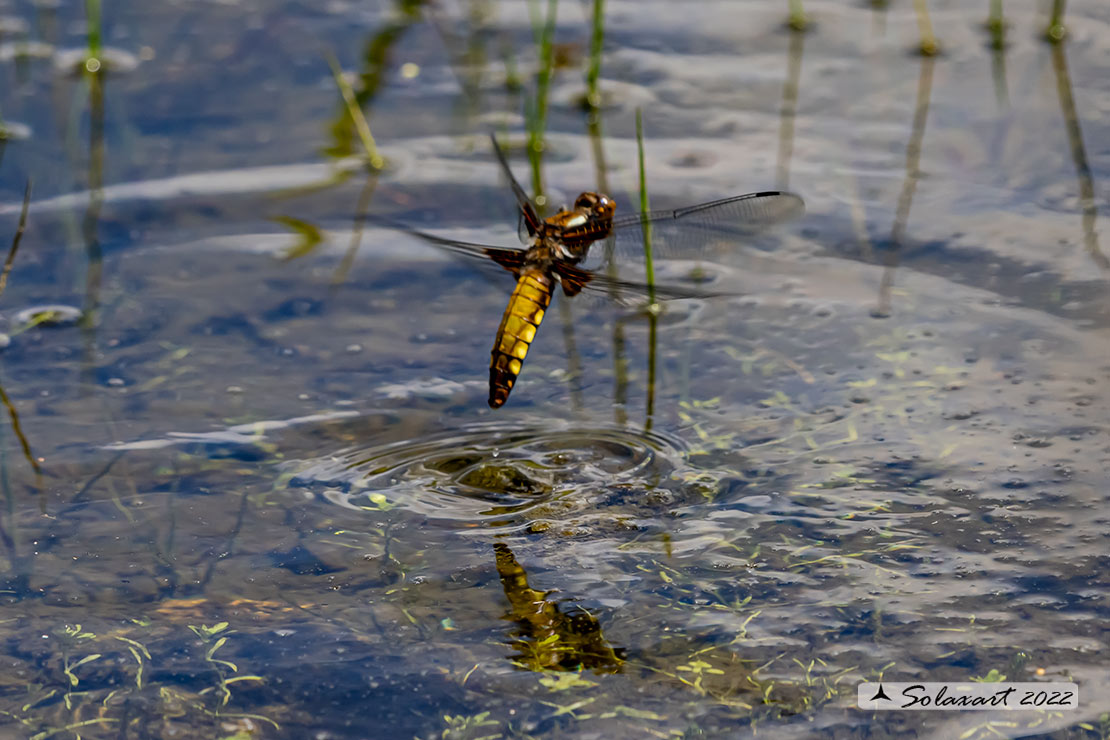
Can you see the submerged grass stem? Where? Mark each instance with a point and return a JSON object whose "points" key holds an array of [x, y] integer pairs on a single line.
{"points": [[644, 207], [593, 71], [996, 25], [92, 14], [536, 112], [928, 45], [653, 307], [373, 157], [1056, 30], [16, 238], [797, 20]]}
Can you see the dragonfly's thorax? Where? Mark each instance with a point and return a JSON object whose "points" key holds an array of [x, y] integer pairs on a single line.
{"points": [[569, 233]]}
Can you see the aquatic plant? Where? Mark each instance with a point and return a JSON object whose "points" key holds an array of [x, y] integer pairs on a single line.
{"points": [[927, 44], [13, 415], [797, 20], [375, 61], [1056, 31], [996, 25], [535, 107], [653, 307], [1087, 201], [309, 236], [17, 237], [645, 207], [121, 677], [789, 108], [371, 155], [593, 68], [93, 35]]}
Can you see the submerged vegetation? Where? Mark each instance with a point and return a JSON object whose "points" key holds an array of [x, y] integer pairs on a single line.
{"points": [[109, 684]]}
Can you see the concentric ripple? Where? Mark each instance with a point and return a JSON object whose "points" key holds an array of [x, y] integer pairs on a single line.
{"points": [[492, 475]]}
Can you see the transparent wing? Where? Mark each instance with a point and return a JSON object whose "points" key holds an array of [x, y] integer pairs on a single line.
{"points": [[632, 293], [524, 229], [686, 233], [623, 292], [529, 220], [500, 261], [493, 260], [695, 232]]}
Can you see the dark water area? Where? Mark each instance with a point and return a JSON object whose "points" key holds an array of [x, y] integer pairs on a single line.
{"points": [[250, 483]]}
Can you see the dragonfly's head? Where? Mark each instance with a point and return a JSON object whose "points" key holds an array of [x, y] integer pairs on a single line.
{"points": [[572, 232], [598, 206]]}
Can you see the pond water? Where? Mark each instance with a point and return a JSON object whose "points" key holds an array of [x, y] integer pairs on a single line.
{"points": [[252, 488]]}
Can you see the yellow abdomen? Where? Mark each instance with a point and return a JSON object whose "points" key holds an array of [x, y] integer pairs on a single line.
{"points": [[523, 315]]}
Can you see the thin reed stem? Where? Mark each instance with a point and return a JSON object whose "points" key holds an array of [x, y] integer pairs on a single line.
{"points": [[928, 46], [593, 71], [1056, 30], [797, 20], [373, 156], [16, 239], [92, 14], [644, 207], [544, 33]]}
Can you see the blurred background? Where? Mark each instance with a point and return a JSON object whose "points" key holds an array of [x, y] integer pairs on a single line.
{"points": [[250, 483]]}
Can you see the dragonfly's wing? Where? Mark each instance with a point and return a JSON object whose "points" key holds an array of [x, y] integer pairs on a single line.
{"points": [[604, 288], [524, 229], [693, 232], [741, 214], [527, 213], [481, 254], [624, 292], [499, 260]]}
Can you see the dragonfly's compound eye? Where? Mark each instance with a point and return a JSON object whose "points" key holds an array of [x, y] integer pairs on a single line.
{"points": [[605, 206], [586, 201], [596, 203]]}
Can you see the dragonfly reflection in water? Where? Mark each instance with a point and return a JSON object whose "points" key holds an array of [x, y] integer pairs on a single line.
{"points": [[559, 244]]}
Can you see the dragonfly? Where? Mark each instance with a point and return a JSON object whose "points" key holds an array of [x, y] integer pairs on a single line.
{"points": [[556, 248]]}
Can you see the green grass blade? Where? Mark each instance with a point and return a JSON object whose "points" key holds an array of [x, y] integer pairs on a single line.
{"points": [[1056, 30], [536, 113], [92, 13], [645, 207], [593, 71], [16, 239], [797, 20], [928, 46], [373, 157]]}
